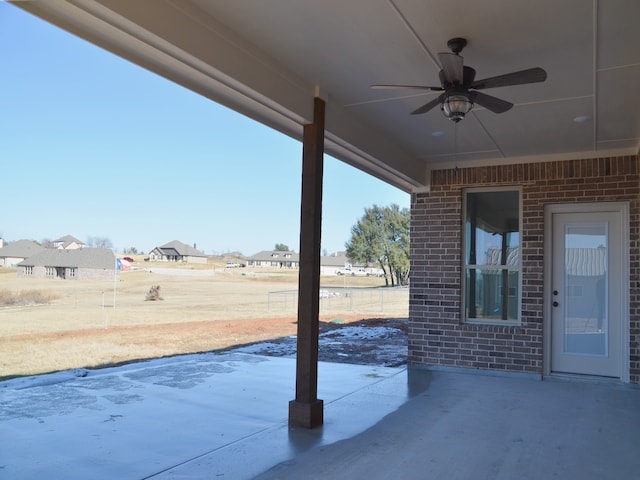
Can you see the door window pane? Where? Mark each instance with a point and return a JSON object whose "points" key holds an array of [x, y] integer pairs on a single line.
{"points": [[585, 283]]}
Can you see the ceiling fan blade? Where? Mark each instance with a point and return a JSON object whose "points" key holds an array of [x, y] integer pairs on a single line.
{"points": [[428, 106], [408, 87], [452, 65], [496, 105], [531, 75]]}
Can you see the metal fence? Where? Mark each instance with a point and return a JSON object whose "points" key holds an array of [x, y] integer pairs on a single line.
{"points": [[381, 300]]}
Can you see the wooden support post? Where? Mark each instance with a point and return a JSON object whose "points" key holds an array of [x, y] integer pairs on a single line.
{"points": [[306, 410]]}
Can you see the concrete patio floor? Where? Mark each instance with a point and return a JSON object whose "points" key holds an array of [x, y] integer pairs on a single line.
{"points": [[225, 416]]}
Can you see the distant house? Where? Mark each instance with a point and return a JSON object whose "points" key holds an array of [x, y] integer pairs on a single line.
{"points": [[176, 251], [274, 259], [15, 252], [339, 262], [67, 243], [331, 264], [77, 264]]}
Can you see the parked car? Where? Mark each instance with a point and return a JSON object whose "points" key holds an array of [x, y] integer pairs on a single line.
{"points": [[236, 265], [378, 272], [354, 272]]}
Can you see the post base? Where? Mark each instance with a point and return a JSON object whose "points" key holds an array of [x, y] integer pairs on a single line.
{"points": [[308, 415]]}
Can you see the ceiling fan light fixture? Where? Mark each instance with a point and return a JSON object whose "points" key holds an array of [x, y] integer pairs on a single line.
{"points": [[456, 106]]}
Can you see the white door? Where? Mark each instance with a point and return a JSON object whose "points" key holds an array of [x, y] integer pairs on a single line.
{"points": [[587, 297]]}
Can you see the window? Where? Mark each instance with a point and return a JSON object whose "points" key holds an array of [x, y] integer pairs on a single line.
{"points": [[50, 271], [72, 272], [574, 291], [28, 270], [492, 260]]}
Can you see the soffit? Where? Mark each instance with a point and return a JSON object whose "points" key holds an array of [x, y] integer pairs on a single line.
{"points": [[268, 59]]}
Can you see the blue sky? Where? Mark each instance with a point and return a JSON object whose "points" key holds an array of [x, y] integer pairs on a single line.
{"points": [[94, 146]]}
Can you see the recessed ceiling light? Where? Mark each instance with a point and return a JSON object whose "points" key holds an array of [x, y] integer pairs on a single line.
{"points": [[582, 119], [438, 134]]}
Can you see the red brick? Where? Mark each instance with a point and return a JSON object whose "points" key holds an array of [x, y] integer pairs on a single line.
{"points": [[436, 242]]}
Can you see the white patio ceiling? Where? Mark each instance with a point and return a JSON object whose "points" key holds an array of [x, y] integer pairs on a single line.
{"points": [[266, 59]]}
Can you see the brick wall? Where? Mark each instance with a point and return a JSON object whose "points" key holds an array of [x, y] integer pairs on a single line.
{"points": [[437, 335]]}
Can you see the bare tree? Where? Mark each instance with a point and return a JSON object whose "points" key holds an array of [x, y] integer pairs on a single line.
{"points": [[99, 242]]}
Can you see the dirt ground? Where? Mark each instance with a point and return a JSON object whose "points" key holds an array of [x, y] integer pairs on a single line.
{"points": [[74, 349], [90, 325]]}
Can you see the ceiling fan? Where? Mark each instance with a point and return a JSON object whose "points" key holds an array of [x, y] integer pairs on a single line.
{"points": [[460, 86]]}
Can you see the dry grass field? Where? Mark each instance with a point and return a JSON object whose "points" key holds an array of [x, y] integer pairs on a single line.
{"points": [[95, 323]]}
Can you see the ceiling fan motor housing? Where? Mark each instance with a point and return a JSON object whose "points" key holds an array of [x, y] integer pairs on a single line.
{"points": [[468, 76]]}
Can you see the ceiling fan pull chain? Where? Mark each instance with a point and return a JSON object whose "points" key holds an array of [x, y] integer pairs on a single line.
{"points": [[455, 144]]}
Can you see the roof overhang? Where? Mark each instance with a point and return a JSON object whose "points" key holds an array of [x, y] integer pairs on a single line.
{"points": [[250, 57]]}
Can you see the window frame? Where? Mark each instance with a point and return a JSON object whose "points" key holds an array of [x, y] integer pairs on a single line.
{"points": [[465, 267]]}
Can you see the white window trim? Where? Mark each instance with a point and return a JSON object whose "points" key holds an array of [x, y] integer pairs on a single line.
{"points": [[463, 272]]}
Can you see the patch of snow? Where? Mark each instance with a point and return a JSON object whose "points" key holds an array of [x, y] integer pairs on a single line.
{"points": [[360, 333], [269, 348]]}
